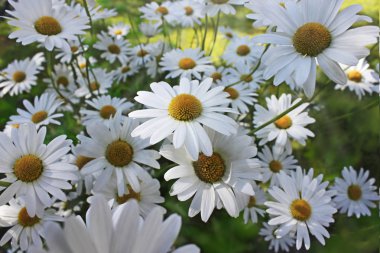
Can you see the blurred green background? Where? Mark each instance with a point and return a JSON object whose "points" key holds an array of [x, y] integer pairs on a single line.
{"points": [[347, 133]]}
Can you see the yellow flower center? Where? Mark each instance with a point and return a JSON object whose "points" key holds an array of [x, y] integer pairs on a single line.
{"points": [[282, 4], [119, 153], [131, 195], [142, 53], [216, 76], [354, 192], [74, 49], [107, 111], [188, 11], [19, 76], [311, 39], [251, 202], [28, 168], [209, 169], [118, 32], [162, 10], [300, 210], [243, 50], [187, 63], [25, 220], [219, 1], [15, 125], [94, 86], [81, 161], [234, 94], [114, 49], [39, 117], [354, 76], [125, 69], [62, 80], [246, 78], [275, 166], [185, 107], [284, 122], [229, 35], [47, 25]]}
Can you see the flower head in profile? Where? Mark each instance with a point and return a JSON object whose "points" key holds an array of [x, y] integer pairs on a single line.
{"points": [[183, 111], [283, 243]]}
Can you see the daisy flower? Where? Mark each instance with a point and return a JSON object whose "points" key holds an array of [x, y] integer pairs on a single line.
{"points": [[19, 76], [242, 50], [189, 13], [113, 48], [47, 25], [117, 154], [103, 227], [303, 40], [227, 32], [361, 79], [213, 7], [124, 71], [292, 125], [276, 243], [273, 161], [155, 12], [150, 29], [100, 82], [242, 73], [302, 209], [34, 169], [96, 11], [184, 110], [185, 63], [147, 198], [240, 96], [66, 55], [119, 30], [214, 180], [356, 194], [25, 230], [219, 75], [104, 109], [140, 55], [41, 113], [251, 204]]}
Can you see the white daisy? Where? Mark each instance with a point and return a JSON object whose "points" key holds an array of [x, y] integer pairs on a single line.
{"points": [[356, 194], [19, 76], [227, 32], [361, 79], [219, 75], [182, 111], [115, 152], [33, 168], [81, 64], [293, 125], [188, 13], [100, 82], [185, 63], [119, 30], [251, 204], [47, 25], [104, 109], [303, 40], [276, 243], [103, 227], [41, 113], [25, 230], [113, 48], [124, 71], [96, 11], [150, 29], [214, 179], [213, 7], [141, 55], [147, 198], [155, 12], [273, 161], [302, 210], [242, 73], [242, 50], [240, 96], [66, 55]]}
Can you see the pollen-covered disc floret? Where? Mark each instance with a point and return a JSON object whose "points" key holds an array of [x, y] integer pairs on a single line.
{"points": [[119, 153], [185, 107], [25, 220], [300, 209], [47, 25], [28, 168], [209, 169]]}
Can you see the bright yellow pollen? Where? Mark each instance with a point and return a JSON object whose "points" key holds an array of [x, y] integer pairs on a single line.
{"points": [[94, 86], [216, 76], [275, 166], [300, 210], [354, 76], [82, 65], [219, 1], [162, 10], [354, 192], [243, 50], [28, 168], [118, 32], [282, 4], [81, 161], [19, 76], [107, 111], [185, 107], [47, 25], [188, 11], [234, 94], [119, 153], [131, 195], [209, 169], [74, 49], [39, 117], [15, 125], [25, 220], [114, 49], [186, 63], [62, 80], [251, 202], [246, 78], [142, 53], [311, 39], [284, 122]]}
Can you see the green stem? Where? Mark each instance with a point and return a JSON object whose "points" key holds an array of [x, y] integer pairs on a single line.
{"points": [[215, 32], [368, 106], [205, 34], [4, 184], [85, 5]]}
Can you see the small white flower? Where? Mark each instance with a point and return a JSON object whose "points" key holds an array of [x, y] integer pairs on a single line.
{"points": [[100, 82], [243, 50], [124, 71], [155, 12], [150, 29], [113, 48], [228, 33], [251, 204], [66, 55], [188, 13], [141, 55], [242, 74], [213, 7], [276, 243], [119, 30], [219, 75]]}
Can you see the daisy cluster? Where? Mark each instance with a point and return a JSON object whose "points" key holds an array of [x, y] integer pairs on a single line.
{"points": [[151, 104]]}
